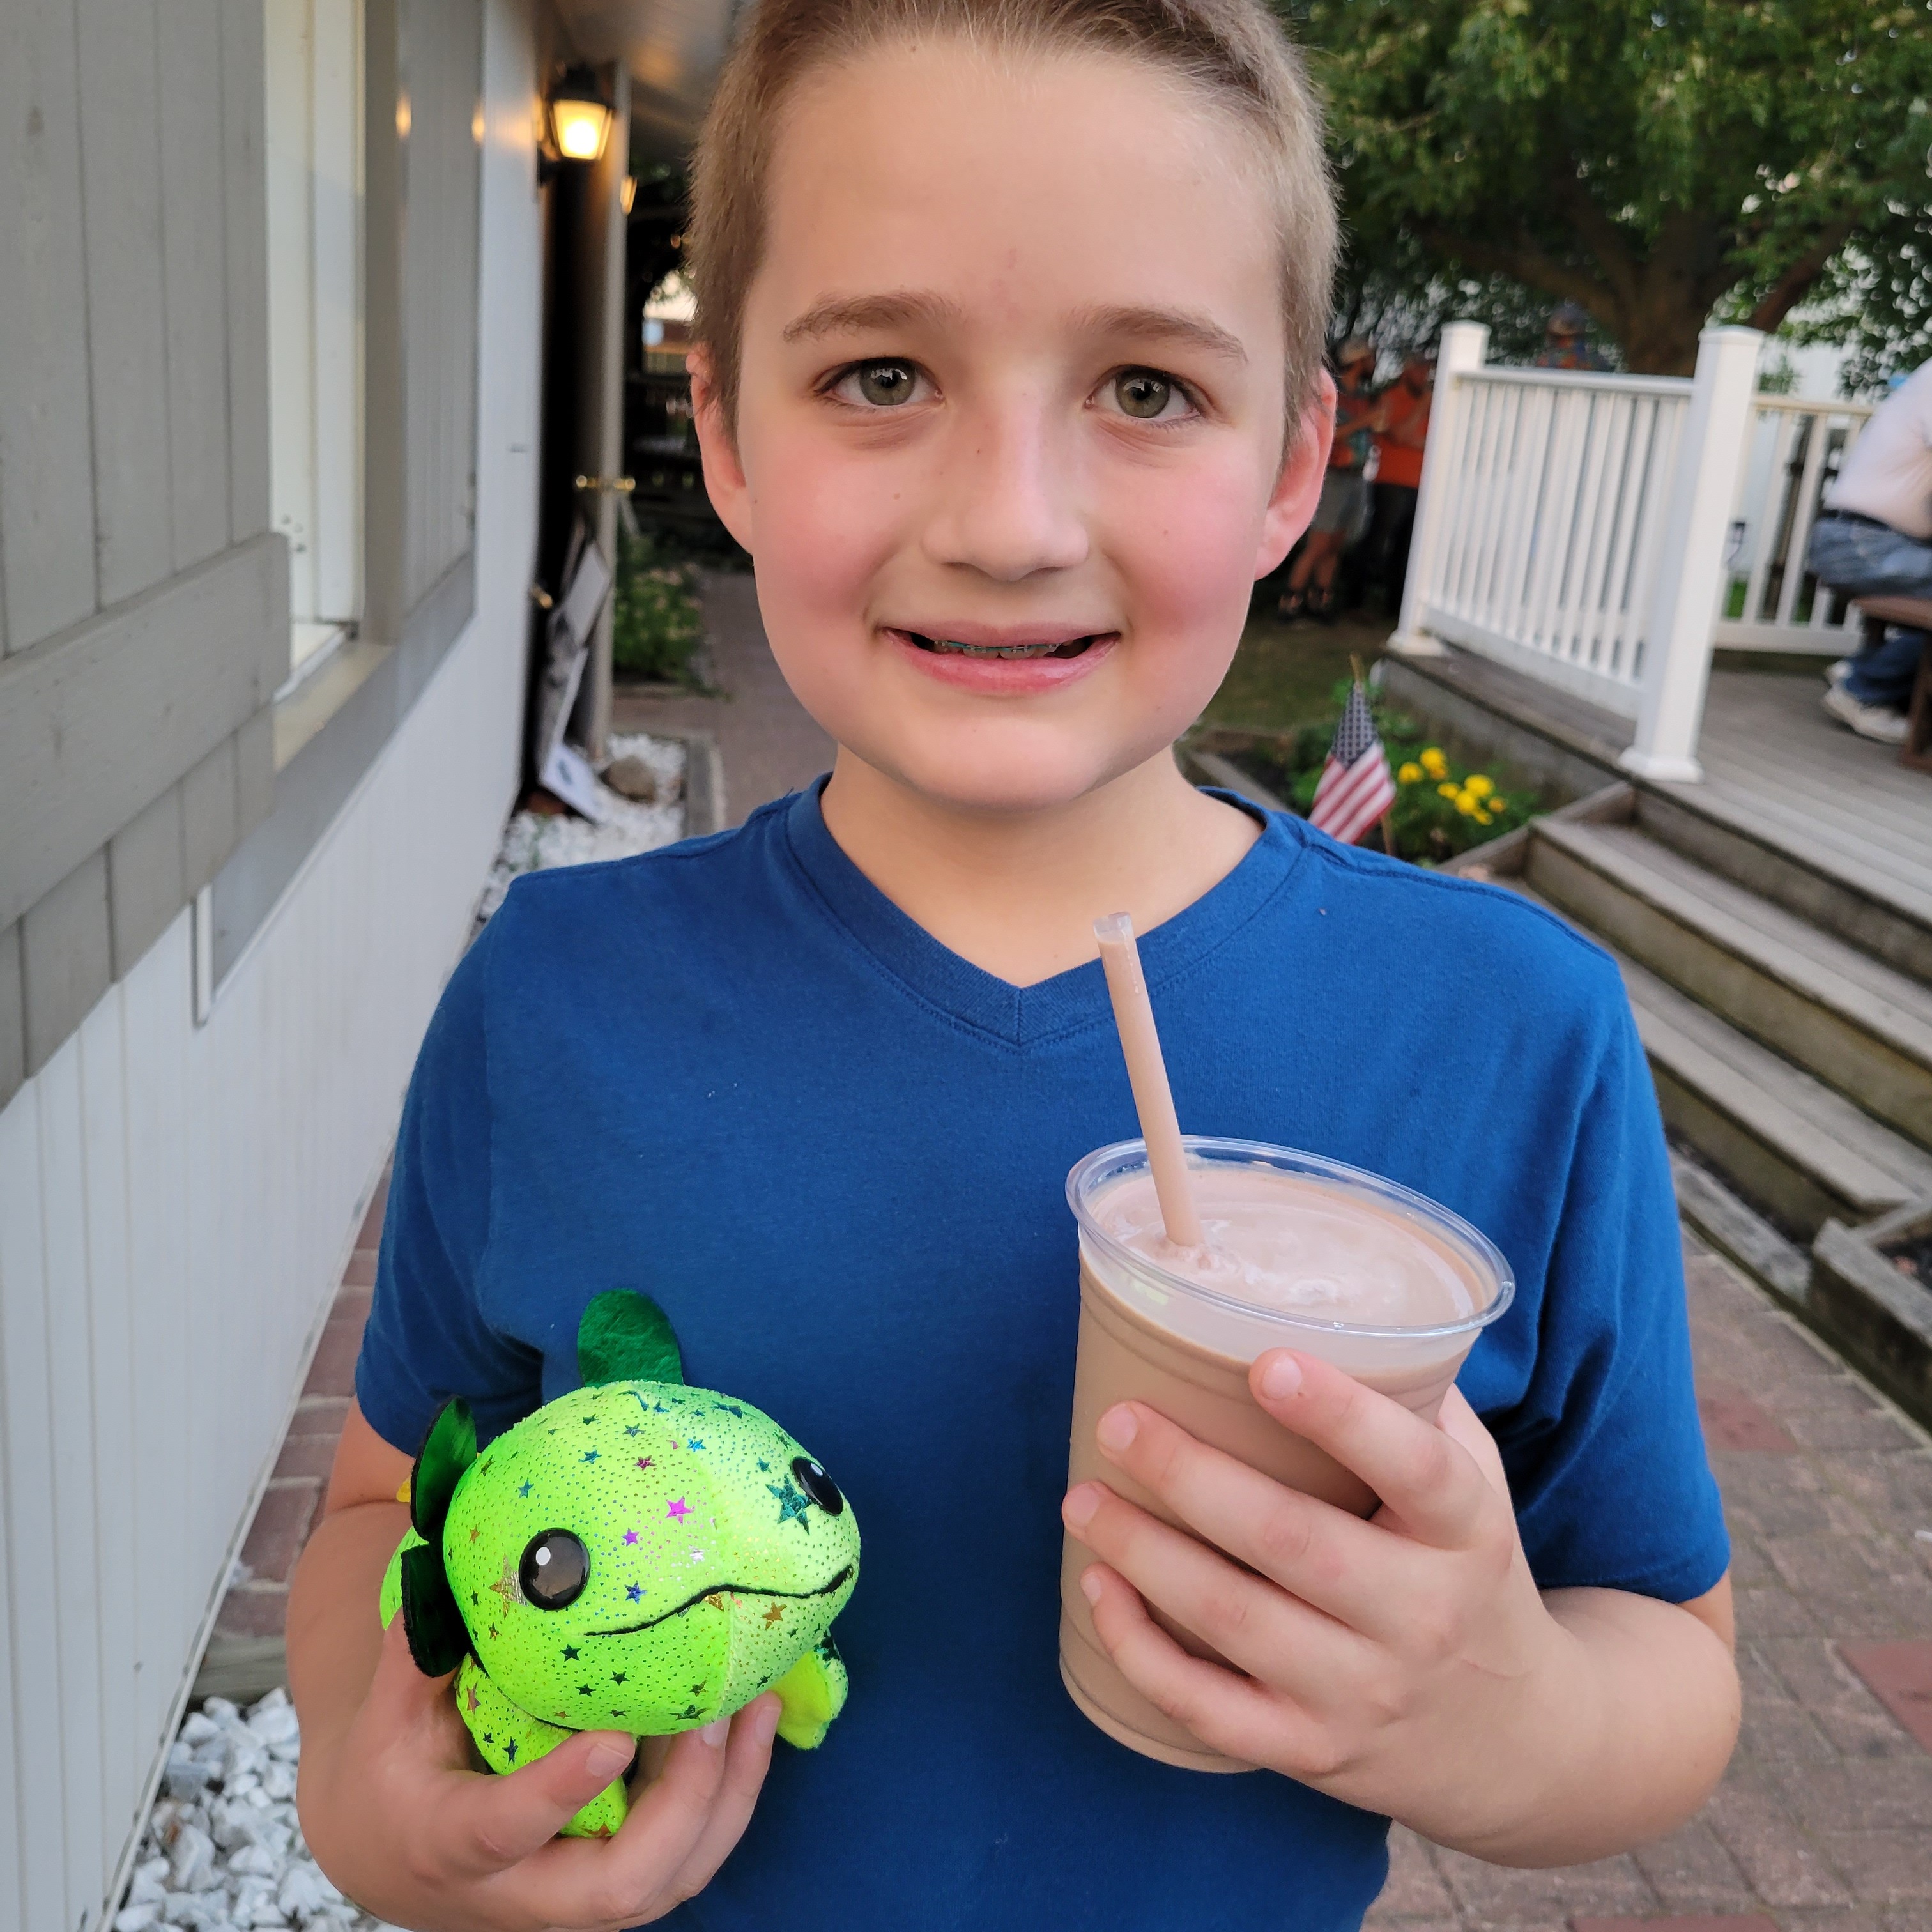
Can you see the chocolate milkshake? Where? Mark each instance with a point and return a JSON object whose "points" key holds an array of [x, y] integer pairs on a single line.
{"points": [[1297, 1252]]}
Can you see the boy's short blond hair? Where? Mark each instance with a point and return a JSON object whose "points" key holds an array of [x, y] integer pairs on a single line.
{"points": [[1232, 53]]}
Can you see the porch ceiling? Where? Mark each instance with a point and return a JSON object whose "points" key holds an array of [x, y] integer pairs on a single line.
{"points": [[673, 48]]}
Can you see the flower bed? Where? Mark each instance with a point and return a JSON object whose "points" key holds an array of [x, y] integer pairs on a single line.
{"points": [[1443, 805]]}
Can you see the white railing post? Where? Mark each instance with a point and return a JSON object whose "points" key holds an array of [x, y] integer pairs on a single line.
{"points": [[1690, 569], [1464, 346]]}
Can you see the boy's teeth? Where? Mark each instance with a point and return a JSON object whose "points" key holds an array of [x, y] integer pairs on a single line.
{"points": [[1068, 647]]}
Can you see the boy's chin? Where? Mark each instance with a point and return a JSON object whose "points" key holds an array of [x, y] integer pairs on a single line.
{"points": [[1015, 779]]}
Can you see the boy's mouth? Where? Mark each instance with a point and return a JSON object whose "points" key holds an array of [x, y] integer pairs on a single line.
{"points": [[1066, 647]]}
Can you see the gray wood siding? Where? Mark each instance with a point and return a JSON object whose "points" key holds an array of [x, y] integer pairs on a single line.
{"points": [[423, 84], [143, 609]]}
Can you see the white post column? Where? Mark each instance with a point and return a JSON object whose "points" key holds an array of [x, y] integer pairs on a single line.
{"points": [[1690, 566], [1464, 346]]}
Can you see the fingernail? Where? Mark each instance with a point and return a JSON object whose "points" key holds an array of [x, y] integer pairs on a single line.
{"points": [[1117, 1429], [1282, 1377], [1089, 1586], [716, 1732], [608, 1761], [1078, 1511], [765, 1721]]}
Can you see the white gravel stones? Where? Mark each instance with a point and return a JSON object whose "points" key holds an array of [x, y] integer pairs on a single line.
{"points": [[533, 842], [224, 1851]]}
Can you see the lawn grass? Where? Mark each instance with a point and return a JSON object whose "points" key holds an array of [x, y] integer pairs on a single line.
{"points": [[1283, 674]]}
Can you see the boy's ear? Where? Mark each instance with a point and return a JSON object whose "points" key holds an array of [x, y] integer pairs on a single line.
{"points": [[718, 443], [1298, 487], [626, 1337], [449, 1449]]}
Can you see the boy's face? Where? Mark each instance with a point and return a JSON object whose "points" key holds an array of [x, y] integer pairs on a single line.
{"points": [[1012, 378]]}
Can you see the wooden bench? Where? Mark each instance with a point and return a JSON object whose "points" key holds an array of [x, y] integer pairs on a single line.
{"points": [[1910, 613]]}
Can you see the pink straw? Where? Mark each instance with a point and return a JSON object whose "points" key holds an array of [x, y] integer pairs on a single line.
{"points": [[1146, 1073]]}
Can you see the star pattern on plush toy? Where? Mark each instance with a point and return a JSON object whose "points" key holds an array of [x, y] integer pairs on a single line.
{"points": [[634, 1590], [776, 1614], [645, 1463], [677, 1511], [505, 1585], [793, 1504], [590, 1455]]}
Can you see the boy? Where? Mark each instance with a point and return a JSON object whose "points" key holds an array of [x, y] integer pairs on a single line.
{"points": [[1011, 317]]}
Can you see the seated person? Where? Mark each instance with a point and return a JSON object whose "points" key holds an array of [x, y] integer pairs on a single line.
{"points": [[1873, 538]]}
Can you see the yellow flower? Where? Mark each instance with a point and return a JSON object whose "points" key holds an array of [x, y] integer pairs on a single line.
{"points": [[1467, 806], [1435, 764], [1477, 785], [1450, 789], [1409, 774], [1483, 817], [1498, 804]]}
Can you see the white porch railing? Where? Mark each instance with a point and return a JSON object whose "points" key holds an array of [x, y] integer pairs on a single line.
{"points": [[1575, 525], [1794, 452]]}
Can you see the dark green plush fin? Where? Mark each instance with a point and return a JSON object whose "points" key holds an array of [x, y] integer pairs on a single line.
{"points": [[438, 1640], [626, 1337], [449, 1449]]}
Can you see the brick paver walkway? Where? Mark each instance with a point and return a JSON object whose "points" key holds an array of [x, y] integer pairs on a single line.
{"points": [[1824, 1822], [1824, 1819]]}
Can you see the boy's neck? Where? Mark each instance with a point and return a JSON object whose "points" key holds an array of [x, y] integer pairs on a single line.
{"points": [[1017, 893]]}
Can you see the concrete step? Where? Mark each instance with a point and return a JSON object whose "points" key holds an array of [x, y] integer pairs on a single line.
{"points": [[1856, 1023], [1793, 1148]]}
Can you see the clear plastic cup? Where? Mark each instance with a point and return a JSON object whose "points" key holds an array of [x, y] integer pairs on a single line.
{"points": [[1184, 1348]]}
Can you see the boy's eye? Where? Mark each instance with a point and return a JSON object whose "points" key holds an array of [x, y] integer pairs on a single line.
{"points": [[1141, 392], [555, 1568], [882, 384]]}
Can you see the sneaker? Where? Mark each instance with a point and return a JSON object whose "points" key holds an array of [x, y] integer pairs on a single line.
{"points": [[1878, 722], [1836, 674]]}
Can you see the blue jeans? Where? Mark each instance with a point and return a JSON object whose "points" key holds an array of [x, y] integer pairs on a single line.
{"points": [[1872, 560]]}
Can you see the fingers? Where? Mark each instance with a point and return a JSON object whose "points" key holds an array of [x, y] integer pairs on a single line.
{"points": [[495, 1821], [748, 1757], [1256, 1626], [1323, 1554], [1232, 1713], [1426, 1480]]}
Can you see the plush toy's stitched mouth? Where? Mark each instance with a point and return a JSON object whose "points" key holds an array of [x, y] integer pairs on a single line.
{"points": [[726, 1590]]}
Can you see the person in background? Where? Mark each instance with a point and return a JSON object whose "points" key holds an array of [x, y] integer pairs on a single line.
{"points": [[1873, 538], [1566, 341], [1342, 513], [1402, 410]]}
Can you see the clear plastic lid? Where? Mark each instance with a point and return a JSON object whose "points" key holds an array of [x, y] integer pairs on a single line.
{"points": [[1210, 1312]]}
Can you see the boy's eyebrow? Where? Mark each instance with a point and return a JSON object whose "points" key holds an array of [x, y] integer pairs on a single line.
{"points": [[1165, 325], [837, 314]]}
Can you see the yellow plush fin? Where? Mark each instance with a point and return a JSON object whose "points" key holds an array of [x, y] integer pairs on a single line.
{"points": [[508, 1736], [811, 1694]]}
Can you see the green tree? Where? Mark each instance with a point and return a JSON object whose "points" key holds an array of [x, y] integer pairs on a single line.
{"points": [[1655, 161]]}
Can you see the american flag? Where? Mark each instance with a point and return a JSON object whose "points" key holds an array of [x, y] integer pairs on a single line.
{"points": [[1356, 787]]}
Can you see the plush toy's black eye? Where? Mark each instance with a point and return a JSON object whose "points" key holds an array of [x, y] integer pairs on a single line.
{"points": [[817, 1485], [555, 1568]]}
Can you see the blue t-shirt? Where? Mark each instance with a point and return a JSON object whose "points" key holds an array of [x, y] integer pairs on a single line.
{"points": [[733, 1075]]}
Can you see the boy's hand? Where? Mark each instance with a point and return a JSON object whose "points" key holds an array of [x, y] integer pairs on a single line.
{"points": [[402, 1824], [1407, 1664]]}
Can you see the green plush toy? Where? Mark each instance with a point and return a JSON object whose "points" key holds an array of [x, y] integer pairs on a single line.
{"points": [[638, 1556]]}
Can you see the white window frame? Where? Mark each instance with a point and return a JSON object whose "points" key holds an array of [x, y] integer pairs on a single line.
{"points": [[314, 69]]}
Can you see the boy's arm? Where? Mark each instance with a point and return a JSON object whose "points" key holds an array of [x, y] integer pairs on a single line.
{"points": [[1408, 1664], [389, 1804]]}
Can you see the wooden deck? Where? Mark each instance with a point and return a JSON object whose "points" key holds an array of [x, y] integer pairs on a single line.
{"points": [[1777, 762]]}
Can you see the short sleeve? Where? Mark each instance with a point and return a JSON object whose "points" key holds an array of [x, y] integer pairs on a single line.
{"points": [[1605, 1454], [426, 1338]]}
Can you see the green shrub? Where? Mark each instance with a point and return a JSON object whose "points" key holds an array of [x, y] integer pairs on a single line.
{"points": [[656, 625]]}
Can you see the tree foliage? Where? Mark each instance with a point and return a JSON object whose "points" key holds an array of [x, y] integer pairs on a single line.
{"points": [[1655, 161]]}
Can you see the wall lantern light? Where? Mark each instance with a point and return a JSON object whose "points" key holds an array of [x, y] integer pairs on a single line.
{"points": [[580, 120]]}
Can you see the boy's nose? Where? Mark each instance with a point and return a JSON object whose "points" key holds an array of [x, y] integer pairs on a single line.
{"points": [[1007, 505]]}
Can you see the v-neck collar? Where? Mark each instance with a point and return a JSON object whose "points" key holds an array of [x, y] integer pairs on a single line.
{"points": [[1024, 1016]]}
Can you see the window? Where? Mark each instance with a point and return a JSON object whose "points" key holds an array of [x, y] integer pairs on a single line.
{"points": [[315, 200]]}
